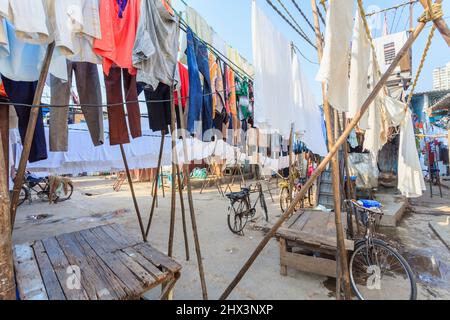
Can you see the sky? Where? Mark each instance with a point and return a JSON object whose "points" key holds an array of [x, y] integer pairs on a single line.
{"points": [[231, 19]]}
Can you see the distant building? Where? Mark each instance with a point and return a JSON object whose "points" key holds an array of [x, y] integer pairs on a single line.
{"points": [[441, 78]]}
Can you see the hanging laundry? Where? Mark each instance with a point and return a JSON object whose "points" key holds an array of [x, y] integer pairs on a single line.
{"points": [[334, 65], [83, 43], [358, 90], [307, 115], [410, 176], [184, 85], [159, 108], [22, 92], [199, 25], [20, 61], [156, 47], [29, 20], [273, 67], [218, 97], [118, 34], [116, 48], [200, 99], [89, 91]]}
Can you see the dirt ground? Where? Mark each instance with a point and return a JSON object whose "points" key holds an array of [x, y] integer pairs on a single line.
{"points": [[95, 203]]}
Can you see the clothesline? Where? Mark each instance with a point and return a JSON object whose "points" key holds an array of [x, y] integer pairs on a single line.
{"points": [[104, 105]]}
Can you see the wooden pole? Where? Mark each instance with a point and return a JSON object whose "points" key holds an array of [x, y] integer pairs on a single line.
{"points": [[7, 284], [323, 165], [349, 186], [133, 194], [181, 185], [4, 131], [34, 113], [192, 212], [174, 172], [291, 169], [343, 259], [440, 23], [155, 190]]}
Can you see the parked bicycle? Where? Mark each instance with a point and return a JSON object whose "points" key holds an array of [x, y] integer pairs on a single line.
{"points": [[41, 187], [285, 200], [377, 271], [240, 211]]}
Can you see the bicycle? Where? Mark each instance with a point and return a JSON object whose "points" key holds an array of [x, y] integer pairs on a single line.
{"points": [[240, 210], [285, 191], [41, 187], [377, 271]]}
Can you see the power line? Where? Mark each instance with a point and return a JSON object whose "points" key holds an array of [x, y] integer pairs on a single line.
{"points": [[321, 15], [392, 8], [288, 22], [293, 19], [304, 57], [303, 15]]}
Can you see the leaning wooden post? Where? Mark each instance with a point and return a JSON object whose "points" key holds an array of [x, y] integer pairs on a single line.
{"points": [[440, 23], [155, 193], [323, 165], [34, 113], [4, 131], [133, 194], [335, 169], [7, 284]]}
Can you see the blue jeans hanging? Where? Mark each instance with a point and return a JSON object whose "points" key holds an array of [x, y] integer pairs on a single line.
{"points": [[200, 99]]}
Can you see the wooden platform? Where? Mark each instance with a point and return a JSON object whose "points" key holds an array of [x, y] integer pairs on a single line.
{"points": [[308, 243], [103, 263]]}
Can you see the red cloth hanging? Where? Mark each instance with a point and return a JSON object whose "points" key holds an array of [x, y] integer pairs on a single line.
{"points": [[184, 76]]}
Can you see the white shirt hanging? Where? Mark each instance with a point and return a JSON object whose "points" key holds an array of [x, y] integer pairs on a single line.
{"points": [[273, 67], [334, 65]]}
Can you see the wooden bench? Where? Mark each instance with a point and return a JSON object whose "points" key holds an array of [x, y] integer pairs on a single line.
{"points": [[103, 263], [308, 243]]}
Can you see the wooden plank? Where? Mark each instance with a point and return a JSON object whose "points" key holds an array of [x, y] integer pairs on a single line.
{"points": [[125, 235], [320, 266], [317, 239], [132, 265], [62, 269], [132, 285], [29, 280], [283, 250], [120, 238], [157, 258], [146, 264], [91, 282], [51, 282], [302, 221], [114, 284], [317, 223]]}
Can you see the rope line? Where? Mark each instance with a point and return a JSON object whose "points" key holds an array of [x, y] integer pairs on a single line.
{"points": [[392, 8]]}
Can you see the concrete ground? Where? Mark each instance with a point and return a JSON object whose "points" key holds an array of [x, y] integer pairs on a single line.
{"points": [[94, 203]]}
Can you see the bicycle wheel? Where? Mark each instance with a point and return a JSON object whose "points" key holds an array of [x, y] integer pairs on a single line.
{"points": [[23, 196], [238, 216], [284, 199], [61, 196], [378, 272]]}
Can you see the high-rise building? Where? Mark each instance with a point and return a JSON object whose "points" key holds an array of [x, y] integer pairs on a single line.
{"points": [[441, 78]]}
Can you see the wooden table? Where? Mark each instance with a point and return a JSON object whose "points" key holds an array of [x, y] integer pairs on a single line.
{"points": [[308, 243], [103, 263]]}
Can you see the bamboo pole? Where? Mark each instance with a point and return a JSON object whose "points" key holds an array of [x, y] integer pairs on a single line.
{"points": [[133, 194], [291, 169], [4, 131], [192, 213], [30, 132], [7, 284], [155, 189], [349, 185], [323, 165], [342, 252], [174, 172], [440, 23]]}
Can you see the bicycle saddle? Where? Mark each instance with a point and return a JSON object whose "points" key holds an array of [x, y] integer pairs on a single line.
{"points": [[238, 195]]}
